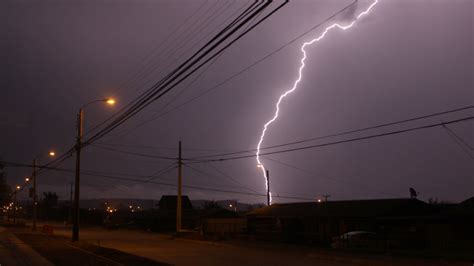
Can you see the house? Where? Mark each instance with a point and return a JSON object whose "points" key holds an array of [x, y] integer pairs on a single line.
{"points": [[397, 222], [222, 222]]}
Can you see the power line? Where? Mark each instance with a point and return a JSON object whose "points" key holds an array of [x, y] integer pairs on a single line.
{"points": [[312, 174], [338, 142], [175, 77], [136, 103], [153, 147], [209, 175], [134, 153], [458, 137], [187, 68], [342, 133], [458, 142], [138, 73], [197, 31], [122, 134], [254, 63], [13, 164], [146, 59]]}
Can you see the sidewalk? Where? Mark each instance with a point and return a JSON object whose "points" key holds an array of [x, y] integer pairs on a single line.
{"points": [[20, 246], [15, 252]]}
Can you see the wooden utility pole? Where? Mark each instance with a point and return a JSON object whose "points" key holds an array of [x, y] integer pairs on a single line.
{"points": [[75, 222], [178, 199], [35, 197], [14, 207], [69, 220], [267, 173]]}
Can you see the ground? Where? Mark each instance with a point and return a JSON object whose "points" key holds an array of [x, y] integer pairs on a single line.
{"points": [[166, 249]]}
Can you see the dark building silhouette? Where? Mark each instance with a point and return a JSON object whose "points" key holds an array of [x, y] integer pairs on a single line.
{"points": [[166, 219], [398, 223]]}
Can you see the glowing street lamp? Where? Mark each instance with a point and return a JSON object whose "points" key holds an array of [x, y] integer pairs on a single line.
{"points": [[110, 101], [18, 187], [27, 179]]}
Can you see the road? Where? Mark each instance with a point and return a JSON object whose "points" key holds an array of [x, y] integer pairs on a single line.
{"points": [[190, 252]]}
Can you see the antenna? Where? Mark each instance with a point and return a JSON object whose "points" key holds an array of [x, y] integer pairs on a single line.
{"points": [[413, 193]]}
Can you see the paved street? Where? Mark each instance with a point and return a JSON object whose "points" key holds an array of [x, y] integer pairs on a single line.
{"points": [[190, 252]]}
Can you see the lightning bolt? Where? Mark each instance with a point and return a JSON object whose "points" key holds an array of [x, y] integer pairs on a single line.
{"points": [[297, 81]]}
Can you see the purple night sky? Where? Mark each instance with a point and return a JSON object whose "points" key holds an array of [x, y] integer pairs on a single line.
{"points": [[406, 59]]}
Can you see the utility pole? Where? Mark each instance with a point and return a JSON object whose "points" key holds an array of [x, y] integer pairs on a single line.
{"points": [[14, 208], [69, 220], [326, 197], [35, 197], [178, 199], [267, 173], [75, 222]]}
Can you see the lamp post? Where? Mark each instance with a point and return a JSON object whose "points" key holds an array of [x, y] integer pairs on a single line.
{"points": [[80, 119], [35, 195], [17, 188]]}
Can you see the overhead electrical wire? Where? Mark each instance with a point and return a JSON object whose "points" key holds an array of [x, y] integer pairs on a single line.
{"points": [[148, 59], [131, 82], [13, 164], [338, 180], [460, 143], [169, 59], [209, 157], [134, 153], [342, 133], [337, 142], [202, 172], [245, 69], [187, 68]]}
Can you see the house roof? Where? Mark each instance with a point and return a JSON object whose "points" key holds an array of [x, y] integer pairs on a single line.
{"points": [[347, 208]]}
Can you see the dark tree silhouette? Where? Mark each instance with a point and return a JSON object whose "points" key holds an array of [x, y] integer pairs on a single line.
{"points": [[211, 205], [5, 189], [50, 199]]}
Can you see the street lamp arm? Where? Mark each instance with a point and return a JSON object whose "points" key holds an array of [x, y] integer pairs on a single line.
{"points": [[106, 100], [95, 101]]}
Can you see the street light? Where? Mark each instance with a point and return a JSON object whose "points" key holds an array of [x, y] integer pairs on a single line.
{"points": [[27, 179], [35, 196], [80, 119]]}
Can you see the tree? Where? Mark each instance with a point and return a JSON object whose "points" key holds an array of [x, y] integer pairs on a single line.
{"points": [[49, 204], [50, 199], [5, 189], [211, 205]]}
